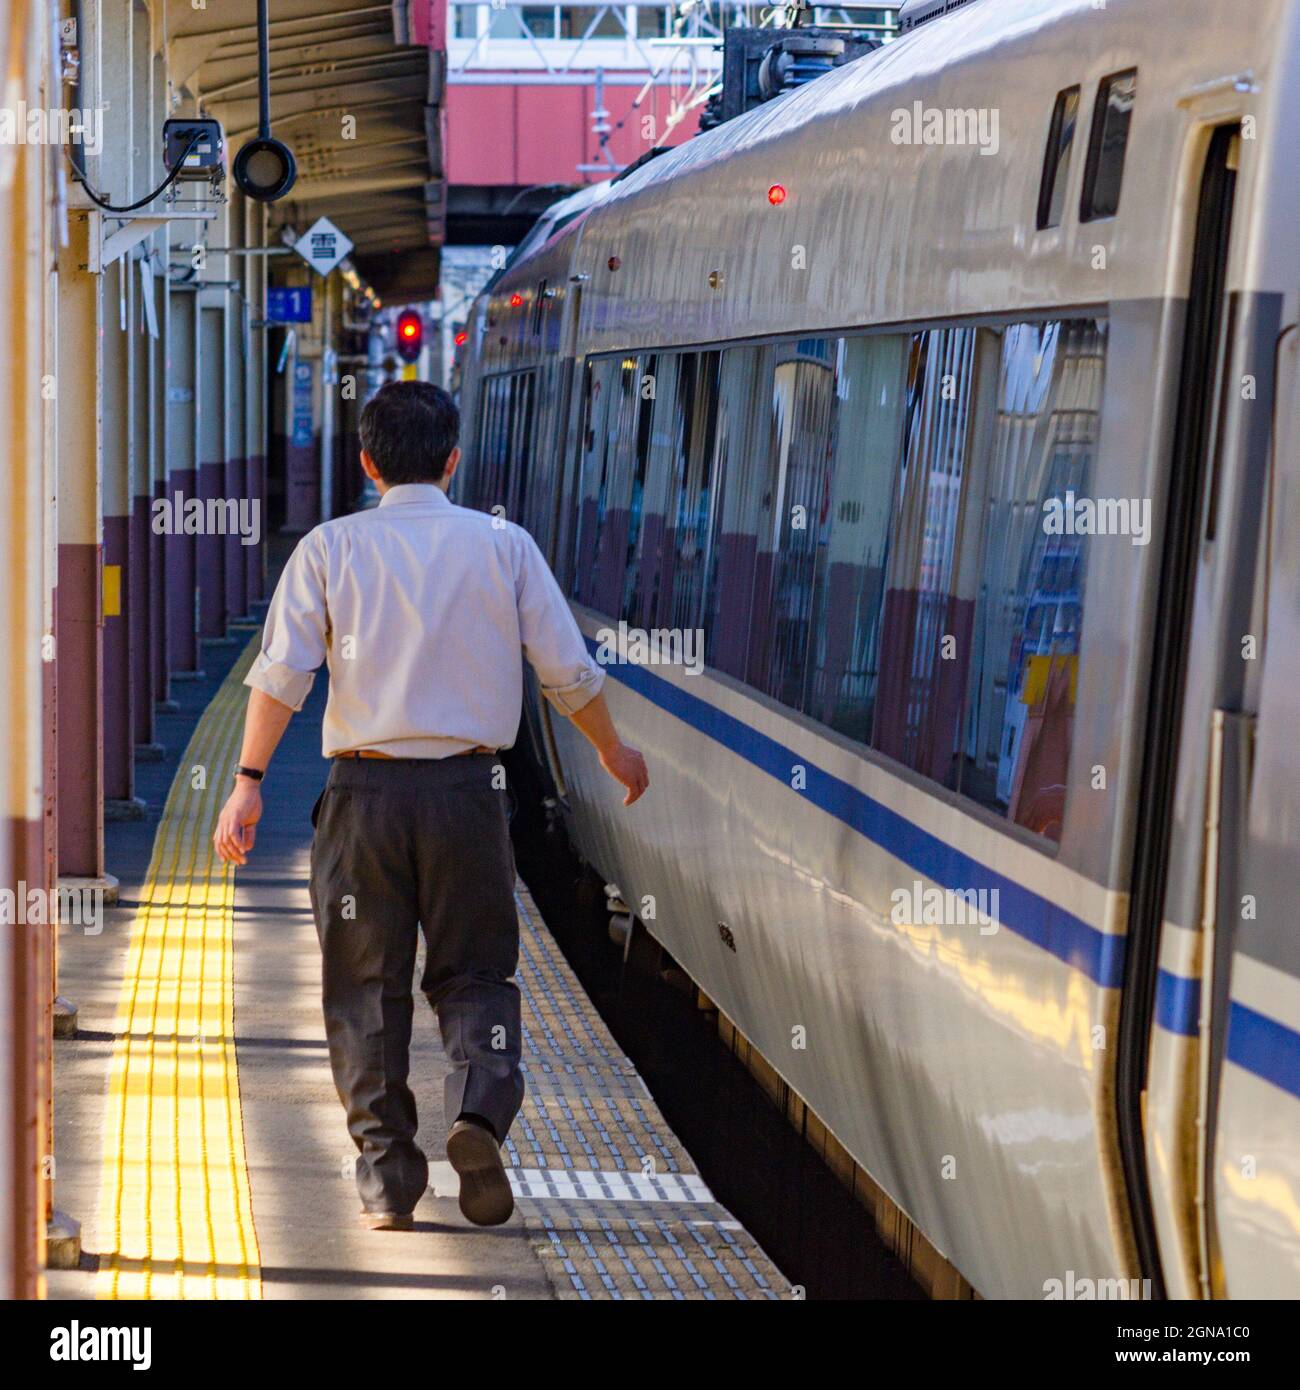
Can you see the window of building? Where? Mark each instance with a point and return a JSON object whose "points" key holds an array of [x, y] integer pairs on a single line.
{"points": [[504, 23]]}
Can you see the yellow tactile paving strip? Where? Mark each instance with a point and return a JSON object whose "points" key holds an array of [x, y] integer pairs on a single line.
{"points": [[175, 1203]]}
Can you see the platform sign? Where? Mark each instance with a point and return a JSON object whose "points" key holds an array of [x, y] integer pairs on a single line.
{"points": [[289, 305], [322, 246]]}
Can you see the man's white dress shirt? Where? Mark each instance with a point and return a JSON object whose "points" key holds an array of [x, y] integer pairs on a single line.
{"points": [[424, 611]]}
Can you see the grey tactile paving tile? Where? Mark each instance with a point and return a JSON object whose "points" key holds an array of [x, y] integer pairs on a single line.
{"points": [[600, 1176]]}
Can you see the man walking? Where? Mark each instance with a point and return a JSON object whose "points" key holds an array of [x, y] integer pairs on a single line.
{"points": [[424, 612]]}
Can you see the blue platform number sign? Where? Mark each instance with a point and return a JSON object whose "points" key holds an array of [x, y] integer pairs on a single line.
{"points": [[292, 305], [302, 412]]}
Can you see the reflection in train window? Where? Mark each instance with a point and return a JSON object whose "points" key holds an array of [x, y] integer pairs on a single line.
{"points": [[1020, 716], [744, 533], [658, 433], [698, 405], [930, 578], [1111, 119], [670, 561], [605, 482], [1056, 162], [802, 392], [504, 446], [844, 659], [859, 524]]}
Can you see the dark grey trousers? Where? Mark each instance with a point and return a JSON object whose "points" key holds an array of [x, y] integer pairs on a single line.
{"points": [[399, 844]]}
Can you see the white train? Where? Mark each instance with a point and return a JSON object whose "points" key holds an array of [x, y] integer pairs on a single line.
{"points": [[954, 399]]}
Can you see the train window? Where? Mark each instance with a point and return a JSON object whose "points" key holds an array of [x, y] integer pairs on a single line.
{"points": [[536, 493], [648, 390], [605, 483], [801, 404], [492, 471], [866, 439], [1056, 161], [1020, 715], [1108, 146], [671, 560], [743, 546], [649, 566], [881, 554], [928, 612], [698, 401], [521, 406], [504, 444], [539, 309]]}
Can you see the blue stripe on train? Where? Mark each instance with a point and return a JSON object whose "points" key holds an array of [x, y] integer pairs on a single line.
{"points": [[1264, 1047], [1070, 939], [1260, 1045], [1178, 1004]]}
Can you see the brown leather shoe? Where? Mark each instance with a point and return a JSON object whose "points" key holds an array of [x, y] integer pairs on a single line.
{"points": [[485, 1196], [386, 1221]]}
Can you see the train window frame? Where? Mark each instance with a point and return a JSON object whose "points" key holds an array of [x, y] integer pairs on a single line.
{"points": [[1102, 159], [1058, 157]]}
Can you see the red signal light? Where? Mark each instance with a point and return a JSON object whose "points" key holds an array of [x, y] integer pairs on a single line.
{"points": [[776, 195], [410, 335], [462, 338], [516, 300]]}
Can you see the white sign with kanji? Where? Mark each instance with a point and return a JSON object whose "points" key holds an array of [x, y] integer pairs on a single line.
{"points": [[322, 246]]}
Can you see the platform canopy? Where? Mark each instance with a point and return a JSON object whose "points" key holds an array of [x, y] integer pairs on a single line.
{"points": [[358, 102]]}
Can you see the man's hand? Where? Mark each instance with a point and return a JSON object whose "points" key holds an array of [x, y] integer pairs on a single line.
{"points": [[626, 765], [237, 824]]}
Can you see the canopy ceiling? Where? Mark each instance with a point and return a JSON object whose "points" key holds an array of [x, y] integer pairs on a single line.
{"points": [[359, 105]]}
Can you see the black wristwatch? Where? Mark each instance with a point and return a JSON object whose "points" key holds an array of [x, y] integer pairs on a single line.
{"points": [[256, 773]]}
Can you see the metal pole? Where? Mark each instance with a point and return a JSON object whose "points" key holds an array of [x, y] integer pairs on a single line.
{"points": [[263, 69], [327, 407]]}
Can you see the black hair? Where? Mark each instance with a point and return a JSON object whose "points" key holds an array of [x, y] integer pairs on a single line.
{"points": [[409, 429]]}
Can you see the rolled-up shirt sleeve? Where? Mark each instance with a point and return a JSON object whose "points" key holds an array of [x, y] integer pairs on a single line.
{"points": [[552, 642], [294, 640]]}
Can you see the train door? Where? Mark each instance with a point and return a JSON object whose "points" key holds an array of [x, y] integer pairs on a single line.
{"points": [[1250, 1177], [1203, 567]]}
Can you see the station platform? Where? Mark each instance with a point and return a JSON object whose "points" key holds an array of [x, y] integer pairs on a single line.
{"points": [[199, 1139]]}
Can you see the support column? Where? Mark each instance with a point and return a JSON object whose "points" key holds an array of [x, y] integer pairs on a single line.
{"points": [[119, 774], [237, 354], [112, 170], [141, 449], [255, 218], [158, 251], [212, 459], [146, 172], [79, 628], [182, 485], [25, 964], [158, 596]]}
